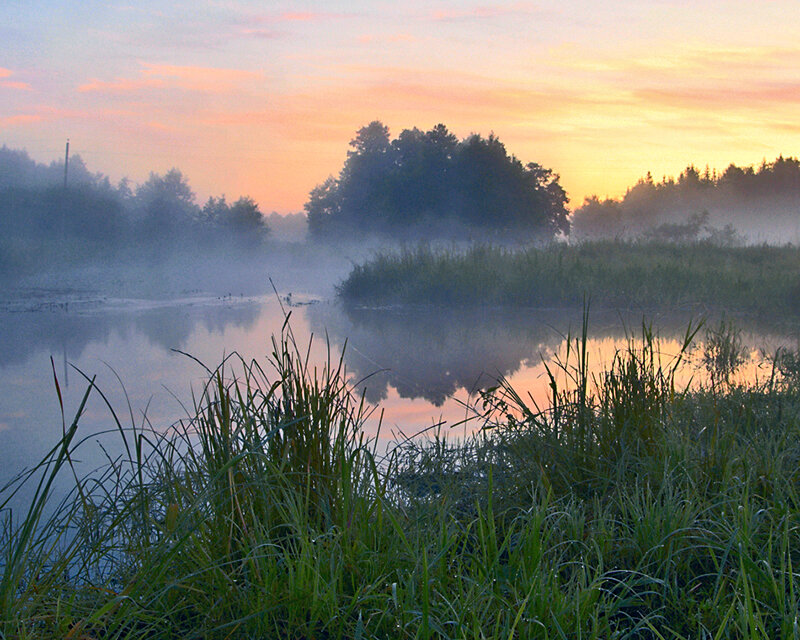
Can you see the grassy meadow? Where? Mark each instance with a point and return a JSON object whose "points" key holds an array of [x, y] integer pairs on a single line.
{"points": [[627, 508], [616, 274]]}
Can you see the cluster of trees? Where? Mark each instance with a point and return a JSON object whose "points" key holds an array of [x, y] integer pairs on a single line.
{"points": [[39, 216], [430, 183], [760, 202], [422, 184]]}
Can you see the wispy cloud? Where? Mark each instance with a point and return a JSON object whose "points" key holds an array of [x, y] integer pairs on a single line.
{"points": [[692, 77], [683, 62], [120, 85], [482, 12], [259, 33], [189, 78], [464, 101], [19, 86], [156, 125], [275, 25], [12, 84], [725, 98], [368, 38], [203, 79], [21, 119], [297, 16]]}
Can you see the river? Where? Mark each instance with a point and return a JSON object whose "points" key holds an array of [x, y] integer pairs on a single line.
{"points": [[421, 366]]}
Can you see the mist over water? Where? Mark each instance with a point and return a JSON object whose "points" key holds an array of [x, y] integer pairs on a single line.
{"points": [[125, 310], [421, 365]]}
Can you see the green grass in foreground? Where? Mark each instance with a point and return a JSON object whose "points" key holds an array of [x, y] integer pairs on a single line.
{"points": [[628, 508], [763, 278]]}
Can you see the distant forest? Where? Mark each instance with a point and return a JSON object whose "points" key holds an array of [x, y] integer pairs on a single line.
{"points": [[741, 204], [44, 222], [421, 185], [428, 184]]}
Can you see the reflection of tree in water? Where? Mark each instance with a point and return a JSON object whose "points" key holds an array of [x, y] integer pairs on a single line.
{"points": [[60, 332], [170, 327], [431, 353], [25, 333]]}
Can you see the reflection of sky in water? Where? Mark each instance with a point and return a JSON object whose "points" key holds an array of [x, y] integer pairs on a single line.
{"points": [[134, 343], [426, 361]]}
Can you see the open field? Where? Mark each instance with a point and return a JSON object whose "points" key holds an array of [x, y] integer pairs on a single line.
{"points": [[616, 274], [629, 507]]}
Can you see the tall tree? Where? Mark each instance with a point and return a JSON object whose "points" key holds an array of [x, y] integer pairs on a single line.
{"points": [[426, 182], [166, 205]]}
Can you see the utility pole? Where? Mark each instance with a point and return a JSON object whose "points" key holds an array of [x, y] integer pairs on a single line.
{"points": [[63, 221], [66, 164]]}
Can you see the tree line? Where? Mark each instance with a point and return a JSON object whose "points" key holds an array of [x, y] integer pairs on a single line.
{"points": [[706, 205], [428, 184], [40, 217], [419, 185]]}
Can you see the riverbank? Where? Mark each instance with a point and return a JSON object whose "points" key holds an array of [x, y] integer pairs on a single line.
{"points": [[762, 279], [628, 507]]}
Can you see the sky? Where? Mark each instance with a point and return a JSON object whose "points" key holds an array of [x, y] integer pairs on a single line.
{"points": [[261, 98]]}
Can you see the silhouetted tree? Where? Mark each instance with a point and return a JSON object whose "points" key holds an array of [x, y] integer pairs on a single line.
{"points": [[40, 220], [324, 208], [214, 211], [598, 218], [166, 206], [241, 223], [763, 201], [429, 182], [247, 223], [18, 169]]}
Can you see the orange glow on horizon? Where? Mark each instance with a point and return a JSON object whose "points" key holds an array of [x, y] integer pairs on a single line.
{"points": [[269, 113]]}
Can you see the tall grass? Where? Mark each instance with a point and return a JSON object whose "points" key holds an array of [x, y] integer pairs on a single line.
{"points": [[629, 507], [619, 274]]}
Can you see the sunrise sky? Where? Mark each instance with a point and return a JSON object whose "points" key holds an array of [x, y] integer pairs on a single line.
{"points": [[262, 98]]}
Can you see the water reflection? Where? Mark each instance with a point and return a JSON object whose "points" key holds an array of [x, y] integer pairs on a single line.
{"points": [[166, 325], [418, 364], [131, 339], [433, 353]]}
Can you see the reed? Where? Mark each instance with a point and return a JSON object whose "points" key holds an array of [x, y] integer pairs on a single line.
{"points": [[616, 274], [628, 507]]}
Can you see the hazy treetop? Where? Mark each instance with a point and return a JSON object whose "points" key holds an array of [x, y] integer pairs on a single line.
{"points": [[430, 184]]}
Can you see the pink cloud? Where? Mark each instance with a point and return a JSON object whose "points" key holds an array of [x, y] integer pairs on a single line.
{"points": [[190, 78], [261, 34], [203, 79], [120, 85], [276, 25], [297, 16], [397, 37], [447, 15], [12, 121], [159, 126], [50, 113], [395, 95], [12, 84], [21, 86]]}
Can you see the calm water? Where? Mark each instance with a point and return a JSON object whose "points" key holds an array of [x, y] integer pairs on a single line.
{"points": [[420, 366]]}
